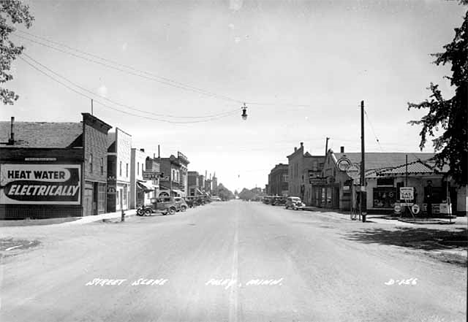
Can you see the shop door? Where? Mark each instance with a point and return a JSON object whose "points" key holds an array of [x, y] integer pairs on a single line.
{"points": [[336, 198], [88, 201]]}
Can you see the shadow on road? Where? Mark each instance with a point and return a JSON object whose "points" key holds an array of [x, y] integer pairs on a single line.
{"points": [[417, 238]]}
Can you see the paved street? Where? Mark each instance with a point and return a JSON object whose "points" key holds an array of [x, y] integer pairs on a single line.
{"points": [[227, 261]]}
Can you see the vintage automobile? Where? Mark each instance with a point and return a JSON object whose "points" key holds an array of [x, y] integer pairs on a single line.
{"points": [[294, 203], [190, 201], [164, 205], [278, 201], [181, 204]]}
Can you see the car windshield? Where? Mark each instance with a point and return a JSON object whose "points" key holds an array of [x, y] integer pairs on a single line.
{"points": [[233, 160]]}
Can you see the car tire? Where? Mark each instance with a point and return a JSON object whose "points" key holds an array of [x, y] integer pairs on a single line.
{"points": [[183, 208], [171, 211]]}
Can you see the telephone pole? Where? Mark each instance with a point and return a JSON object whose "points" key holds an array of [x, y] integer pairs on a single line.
{"points": [[362, 194]]}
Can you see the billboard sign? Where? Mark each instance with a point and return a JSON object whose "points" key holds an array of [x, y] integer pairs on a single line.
{"points": [[58, 184]]}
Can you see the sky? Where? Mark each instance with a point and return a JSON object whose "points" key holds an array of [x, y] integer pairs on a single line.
{"points": [[175, 74]]}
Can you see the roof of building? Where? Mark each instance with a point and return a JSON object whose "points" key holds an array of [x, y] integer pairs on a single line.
{"points": [[416, 167], [41, 134], [381, 160]]}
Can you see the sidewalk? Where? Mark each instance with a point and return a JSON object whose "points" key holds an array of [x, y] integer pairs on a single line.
{"points": [[386, 219], [111, 215]]}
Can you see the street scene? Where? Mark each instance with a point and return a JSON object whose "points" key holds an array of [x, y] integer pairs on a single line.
{"points": [[235, 160], [234, 261]]}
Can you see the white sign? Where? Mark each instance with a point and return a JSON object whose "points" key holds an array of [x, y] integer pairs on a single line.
{"points": [[406, 193], [415, 209], [40, 184]]}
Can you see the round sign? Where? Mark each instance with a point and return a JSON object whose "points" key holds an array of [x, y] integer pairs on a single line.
{"points": [[353, 171], [343, 164], [415, 209], [397, 208]]}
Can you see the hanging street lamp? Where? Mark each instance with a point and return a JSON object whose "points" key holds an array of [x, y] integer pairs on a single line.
{"points": [[244, 112]]}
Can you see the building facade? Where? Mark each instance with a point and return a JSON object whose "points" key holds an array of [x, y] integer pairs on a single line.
{"points": [[386, 174], [119, 163], [302, 167], [278, 180], [143, 183], [193, 185], [52, 170], [171, 183]]}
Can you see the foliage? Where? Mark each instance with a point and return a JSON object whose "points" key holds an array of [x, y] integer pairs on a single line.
{"points": [[224, 193], [449, 115], [11, 12], [253, 194]]}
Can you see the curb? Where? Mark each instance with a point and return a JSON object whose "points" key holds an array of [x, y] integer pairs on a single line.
{"points": [[90, 219]]}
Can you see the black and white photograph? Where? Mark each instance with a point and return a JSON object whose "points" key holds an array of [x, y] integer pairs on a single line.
{"points": [[233, 160]]}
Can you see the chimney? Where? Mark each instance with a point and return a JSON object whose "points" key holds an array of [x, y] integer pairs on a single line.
{"points": [[159, 151], [11, 141], [342, 149], [302, 145], [295, 149], [142, 150]]}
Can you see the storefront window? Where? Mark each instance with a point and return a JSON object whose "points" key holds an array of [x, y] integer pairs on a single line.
{"points": [[384, 197], [329, 197]]}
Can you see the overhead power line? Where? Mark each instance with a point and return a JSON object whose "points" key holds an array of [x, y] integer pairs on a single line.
{"points": [[375, 136], [116, 109], [137, 72], [129, 70], [119, 104]]}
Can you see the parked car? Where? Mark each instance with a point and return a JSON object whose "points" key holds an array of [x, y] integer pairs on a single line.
{"points": [[294, 203], [181, 204], [267, 200], [164, 205], [215, 198], [279, 201], [190, 202]]}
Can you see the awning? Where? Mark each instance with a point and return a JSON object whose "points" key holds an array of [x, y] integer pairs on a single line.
{"points": [[145, 186]]}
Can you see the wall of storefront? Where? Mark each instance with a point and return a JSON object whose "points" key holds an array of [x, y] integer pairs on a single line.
{"points": [[138, 161], [40, 189], [94, 193]]}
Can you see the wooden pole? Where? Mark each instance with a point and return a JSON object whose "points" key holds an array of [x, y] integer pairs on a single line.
{"points": [[362, 194]]}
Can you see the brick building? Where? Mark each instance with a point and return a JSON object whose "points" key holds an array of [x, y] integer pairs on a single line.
{"points": [[51, 170], [278, 180]]}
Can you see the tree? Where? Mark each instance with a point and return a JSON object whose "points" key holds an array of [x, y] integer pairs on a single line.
{"points": [[449, 115], [11, 12], [224, 193]]}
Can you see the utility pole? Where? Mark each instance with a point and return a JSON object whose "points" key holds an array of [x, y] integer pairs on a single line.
{"points": [[326, 147], [362, 194]]}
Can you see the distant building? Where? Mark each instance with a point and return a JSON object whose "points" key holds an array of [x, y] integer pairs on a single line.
{"points": [[214, 184], [51, 169], [175, 181], [301, 168], [193, 185], [278, 180]]}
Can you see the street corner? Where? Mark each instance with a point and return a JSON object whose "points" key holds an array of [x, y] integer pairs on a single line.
{"points": [[13, 246]]}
